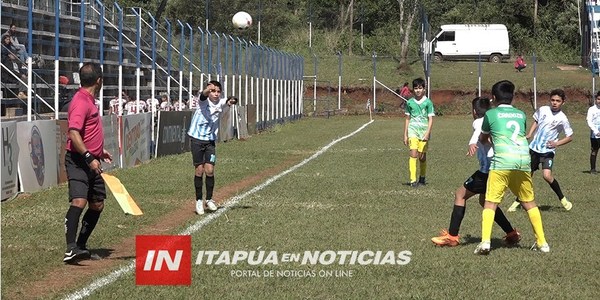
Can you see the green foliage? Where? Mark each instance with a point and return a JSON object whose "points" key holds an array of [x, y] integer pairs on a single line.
{"points": [[285, 23]]}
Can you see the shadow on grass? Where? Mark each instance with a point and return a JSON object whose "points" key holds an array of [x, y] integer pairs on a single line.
{"points": [[540, 207], [550, 208], [241, 207], [496, 242], [469, 239], [103, 253]]}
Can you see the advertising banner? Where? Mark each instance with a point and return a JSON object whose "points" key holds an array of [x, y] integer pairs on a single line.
{"points": [[38, 165], [172, 132], [10, 155], [110, 125], [136, 139], [226, 126], [62, 126]]}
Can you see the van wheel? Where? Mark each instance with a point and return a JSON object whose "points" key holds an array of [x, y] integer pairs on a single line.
{"points": [[495, 58], [438, 57]]}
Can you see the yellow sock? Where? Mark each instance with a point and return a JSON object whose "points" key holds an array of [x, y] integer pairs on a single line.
{"points": [[423, 168], [536, 222], [487, 220], [412, 168]]}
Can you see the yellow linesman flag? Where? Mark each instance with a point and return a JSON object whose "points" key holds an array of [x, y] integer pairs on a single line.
{"points": [[118, 190]]}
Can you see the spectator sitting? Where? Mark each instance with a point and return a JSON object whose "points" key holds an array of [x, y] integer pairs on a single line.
{"points": [[178, 105], [405, 91], [520, 63], [115, 103], [20, 48], [64, 94], [165, 104], [10, 59], [135, 106], [150, 102]]}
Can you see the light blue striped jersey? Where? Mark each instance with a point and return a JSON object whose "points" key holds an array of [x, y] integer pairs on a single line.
{"points": [[205, 121], [550, 125]]}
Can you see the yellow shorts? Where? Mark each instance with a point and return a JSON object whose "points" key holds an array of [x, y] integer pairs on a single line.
{"points": [[519, 183], [417, 144]]}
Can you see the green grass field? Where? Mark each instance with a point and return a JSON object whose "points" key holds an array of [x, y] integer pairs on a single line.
{"points": [[351, 197]]}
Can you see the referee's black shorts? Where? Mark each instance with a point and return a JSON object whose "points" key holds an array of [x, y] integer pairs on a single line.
{"points": [[83, 182]]}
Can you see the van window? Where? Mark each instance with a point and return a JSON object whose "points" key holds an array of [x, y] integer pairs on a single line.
{"points": [[447, 36]]}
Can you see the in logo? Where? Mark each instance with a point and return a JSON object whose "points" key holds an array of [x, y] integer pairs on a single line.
{"points": [[163, 260]]}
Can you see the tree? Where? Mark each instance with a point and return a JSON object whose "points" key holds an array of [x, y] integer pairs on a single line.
{"points": [[407, 13]]}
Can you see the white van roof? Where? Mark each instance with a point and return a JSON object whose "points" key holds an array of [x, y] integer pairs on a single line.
{"points": [[451, 27]]}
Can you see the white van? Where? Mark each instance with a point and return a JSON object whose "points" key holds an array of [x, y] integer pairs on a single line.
{"points": [[468, 41]]}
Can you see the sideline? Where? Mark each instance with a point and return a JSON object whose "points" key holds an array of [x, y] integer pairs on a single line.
{"points": [[113, 276]]}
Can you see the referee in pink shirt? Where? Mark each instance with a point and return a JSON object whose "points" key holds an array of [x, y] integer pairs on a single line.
{"points": [[85, 149]]}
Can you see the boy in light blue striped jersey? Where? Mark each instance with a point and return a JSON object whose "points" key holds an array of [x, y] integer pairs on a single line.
{"points": [[549, 122], [203, 132]]}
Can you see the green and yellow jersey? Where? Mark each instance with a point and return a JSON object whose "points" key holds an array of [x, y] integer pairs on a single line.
{"points": [[507, 126], [419, 112]]}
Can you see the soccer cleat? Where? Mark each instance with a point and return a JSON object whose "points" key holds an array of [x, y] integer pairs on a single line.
{"points": [[513, 207], [512, 238], [199, 207], [413, 184], [422, 180], [566, 203], [210, 204], [593, 172], [75, 253], [545, 248], [483, 248], [445, 239]]}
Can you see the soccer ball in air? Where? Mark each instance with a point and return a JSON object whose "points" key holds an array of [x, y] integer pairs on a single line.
{"points": [[241, 20]]}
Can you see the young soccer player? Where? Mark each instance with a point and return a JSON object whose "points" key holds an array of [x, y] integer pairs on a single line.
{"points": [[593, 121], [476, 184], [549, 122], [204, 129], [510, 166], [417, 130]]}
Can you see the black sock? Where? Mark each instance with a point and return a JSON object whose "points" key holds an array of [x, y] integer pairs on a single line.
{"points": [[556, 188], [593, 161], [210, 186], [71, 224], [458, 212], [502, 221], [198, 187], [88, 223]]}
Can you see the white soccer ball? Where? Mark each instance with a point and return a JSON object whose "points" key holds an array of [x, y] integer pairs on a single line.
{"points": [[241, 20]]}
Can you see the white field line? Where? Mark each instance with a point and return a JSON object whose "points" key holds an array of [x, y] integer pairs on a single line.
{"points": [[113, 276]]}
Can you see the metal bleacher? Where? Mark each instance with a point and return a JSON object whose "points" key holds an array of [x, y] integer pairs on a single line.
{"points": [[593, 10], [144, 57], [69, 58]]}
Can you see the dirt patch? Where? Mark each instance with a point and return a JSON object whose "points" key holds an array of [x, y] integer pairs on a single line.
{"points": [[61, 279]]}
